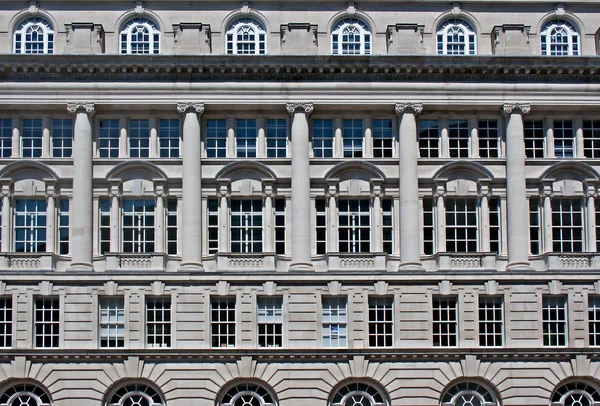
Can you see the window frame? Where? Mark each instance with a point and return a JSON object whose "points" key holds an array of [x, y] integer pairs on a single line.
{"points": [[468, 46], [336, 316], [39, 215], [547, 42], [258, 46], [114, 306], [126, 36], [139, 224], [272, 316], [363, 45], [550, 303], [165, 335], [7, 330], [217, 324], [247, 226], [53, 324], [20, 42], [381, 328], [356, 242], [488, 329], [451, 331]]}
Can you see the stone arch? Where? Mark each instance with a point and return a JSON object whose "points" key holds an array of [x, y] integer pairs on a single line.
{"points": [[463, 169], [133, 13], [360, 15], [231, 17], [357, 384], [479, 384], [27, 385], [567, 16], [228, 392], [136, 170], [575, 385], [352, 169], [139, 384], [570, 170], [463, 15], [21, 169], [246, 170], [25, 14]]}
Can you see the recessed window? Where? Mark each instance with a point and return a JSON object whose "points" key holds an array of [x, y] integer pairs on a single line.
{"points": [[5, 137], [576, 394], [222, 322], [354, 225], [534, 138], [554, 320], [461, 225], [383, 138], [564, 142], [247, 394], [213, 225], [62, 138], [112, 322], [594, 320], [135, 394], [140, 36], [30, 225], [488, 139], [245, 138], [428, 226], [535, 226], [31, 138], [246, 36], [280, 226], [456, 37], [246, 226], [468, 394], [429, 139], [276, 135], [34, 36], [387, 227], [6, 322], [139, 138], [381, 321], [108, 138], [459, 139], [353, 138], [321, 226], [158, 322], [559, 38], [138, 225], [270, 322], [24, 394], [172, 226], [567, 225], [494, 224], [445, 322], [491, 321], [63, 226], [357, 394], [47, 323], [351, 37], [335, 322], [104, 225], [168, 137], [216, 138], [591, 138], [322, 138]]}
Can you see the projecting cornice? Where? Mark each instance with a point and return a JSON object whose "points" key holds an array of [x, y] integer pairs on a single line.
{"points": [[134, 68]]}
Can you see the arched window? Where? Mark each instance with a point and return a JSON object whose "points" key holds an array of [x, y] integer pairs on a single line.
{"points": [[135, 395], [246, 36], [34, 36], [140, 36], [468, 393], [576, 394], [357, 394], [456, 37], [559, 38], [247, 394], [351, 37], [25, 394]]}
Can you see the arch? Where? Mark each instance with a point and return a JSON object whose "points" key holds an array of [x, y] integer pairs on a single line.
{"points": [[33, 35], [20, 393], [131, 14], [456, 36], [475, 392], [16, 167], [141, 390], [479, 171], [246, 35], [248, 167], [25, 14], [359, 15], [140, 35], [237, 14], [567, 16], [576, 392], [133, 166], [462, 15], [570, 170], [371, 171], [560, 37], [351, 36], [247, 393], [365, 392]]}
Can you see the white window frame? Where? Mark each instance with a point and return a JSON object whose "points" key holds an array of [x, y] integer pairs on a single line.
{"points": [[216, 133], [111, 135], [429, 138], [594, 320], [246, 46], [591, 138], [381, 321], [6, 321], [353, 145], [139, 392], [247, 225], [383, 138], [23, 393], [462, 35], [468, 393], [445, 313], [169, 137], [31, 134], [130, 29], [534, 135], [554, 321], [563, 208], [222, 317], [355, 225], [276, 133], [161, 322], [50, 326], [63, 226], [564, 138], [459, 138], [549, 39], [489, 138], [351, 36], [247, 394], [141, 213], [357, 393], [139, 137], [334, 329], [471, 230], [491, 321], [270, 321], [111, 322], [33, 216], [62, 138], [43, 27], [6, 129], [323, 138]]}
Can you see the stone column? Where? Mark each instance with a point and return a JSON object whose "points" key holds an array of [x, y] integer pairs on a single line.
{"points": [[484, 224], [368, 144], [115, 219], [191, 253], [516, 200], [549, 127], [547, 224], [579, 144], [410, 224], [444, 138], [46, 125], [154, 148], [123, 142], [332, 220], [268, 213], [377, 217], [590, 194], [50, 219], [474, 137], [261, 140], [231, 147], [223, 218], [440, 217], [338, 142], [159, 221], [301, 218], [81, 213], [16, 137], [6, 219]]}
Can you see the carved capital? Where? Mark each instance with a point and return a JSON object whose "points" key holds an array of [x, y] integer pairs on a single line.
{"points": [[293, 107], [412, 108], [197, 108], [516, 108], [75, 108]]}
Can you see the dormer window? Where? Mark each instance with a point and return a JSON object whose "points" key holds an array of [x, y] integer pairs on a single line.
{"points": [[140, 36], [351, 37], [559, 38], [34, 36]]}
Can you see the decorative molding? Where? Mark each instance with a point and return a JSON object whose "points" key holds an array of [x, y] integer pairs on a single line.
{"points": [[597, 287], [134, 262], [466, 261], [335, 288], [381, 288], [410, 108], [357, 263], [88, 108], [555, 287], [23, 262], [576, 261], [110, 288], [491, 287], [445, 288], [251, 262], [2, 288], [223, 288], [516, 108], [184, 108], [269, 287], [293, 107], [158, 288], [46, 288]]}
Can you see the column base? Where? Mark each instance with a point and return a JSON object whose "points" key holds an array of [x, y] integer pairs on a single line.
{"points": [[191, 267], [302, 266], [519, 266], [411, 266], [80, 267]]}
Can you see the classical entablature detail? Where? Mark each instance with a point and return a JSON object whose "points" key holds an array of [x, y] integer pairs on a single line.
{"points": [[28, 170], [246, 170], [184, 108], [413, 108], [464, 170], [571, 170], [293, 107], [516, 108], [355, 170], [88, 108], [136, 170]]}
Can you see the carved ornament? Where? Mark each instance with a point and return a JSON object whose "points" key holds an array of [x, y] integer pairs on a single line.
{"points": [[293, 107], [74, 108], [411, 108], [190, 108], [516, 108]]}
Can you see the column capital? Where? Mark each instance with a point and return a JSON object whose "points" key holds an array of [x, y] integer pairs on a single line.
{"points": [[516, 108], [293, 107], [74, 108], [197, 108], [412, 108]]}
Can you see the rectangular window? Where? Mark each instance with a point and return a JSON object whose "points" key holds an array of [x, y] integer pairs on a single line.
{"points": [[270, 322], [494, 210], [381, 321], [554, 320], [138, 225], [104, 220], [322, 138], [31, 138], [458, 134], [321, 226], [246, 226], [245, 138], [276, 138], [63, 227], [488, 139], [594, 320], [223, 322], [564, 143], [534, 138], [6, 322], [461, 225], [30, 225], [428, 226], [445, 322], [591, 138], [62, 138], [112, 322], [491, 322], [172, 226], [213, 226], [47, 322], [535, 228], [158, 322], [383, 138], [5, 137], [352, 134], [335, 322], [280, 226], [168, 137], [388, 226], [429, 139], [139, 138], [354, 225], [567, 225], [216, 138], [597, 206], [108, 138]]}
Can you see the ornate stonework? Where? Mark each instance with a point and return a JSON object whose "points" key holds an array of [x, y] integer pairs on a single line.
{"points": [[190, 108], [88, 108], [293, 107], [516, 108], [412, 108]]}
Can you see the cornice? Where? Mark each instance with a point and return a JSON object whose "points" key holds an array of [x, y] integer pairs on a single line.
{"points": [[278, 68]]}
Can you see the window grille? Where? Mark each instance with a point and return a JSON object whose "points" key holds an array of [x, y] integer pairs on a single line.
{"points": [[351, 37], [564, 143], [554, 313], [6, 322], [594, 320], [62, 138], [140, 36], [246, 36], [535, 228], [276, 138], [429, 139], [24, 394], [158, 322], [567, 225], [335, 321], [135, 394], [383, 138], [280, 226], [104, 220], [270, 322], [456, 37], [357, 394], [216, 138], [321, 226], [468, 394], [461, 225], [354, 225], [47, 322], [63, 226], [458, 133], [388, 226], [534, 138], [108, 138], [112, 322], [30, 225], [591, 138], [139, 138], [488, 139], [223, 322], [34, 36], [245, 137], [428, 226], [213, 226], [445, 322], [381, 322], [168, 137], [31, 138], [494, 224], [172, 226], [559, 38], [246, 226], [138, 225], [322, 138], [353, 138], [5, 137], [576, 393], [491, 321]]}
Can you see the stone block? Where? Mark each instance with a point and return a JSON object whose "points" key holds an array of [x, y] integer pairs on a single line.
{"points": [[511, 39], [192, 38], [405, 39], [84, 38], [299, 39]]}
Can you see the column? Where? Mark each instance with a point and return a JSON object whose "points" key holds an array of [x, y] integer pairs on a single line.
{"points": [[46, 125], [474, 137], [548, 242], [223, 219], [338, 142], [440, 219], [261, 141], [332, 220], [154, 152], [301, 218], [81, 213], [444, 138], [16, 137], [50, 219], [123, 146], [368, 145], [484, 210], [410, 224], [579, 152], [549, 127], [159, 216], [517, 220], [6, 221], [191, 253], [268, 213], [115, 219], [231, 147], [377, 216], [591, 218]]}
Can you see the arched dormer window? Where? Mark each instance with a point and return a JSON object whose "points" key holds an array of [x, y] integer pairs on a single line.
{"points": [[247, 394], [468, 393], [140, 36], [559, 38], [135, 394], [576, 393], [456, 37], [34, 36], [24, 394], [351, 37], [357, 393], [246, 36]]}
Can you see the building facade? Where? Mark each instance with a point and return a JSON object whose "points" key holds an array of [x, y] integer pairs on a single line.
{"points": [[294, 203]]}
